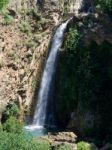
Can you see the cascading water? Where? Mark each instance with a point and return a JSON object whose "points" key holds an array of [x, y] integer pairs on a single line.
{"points": [[41, 115]]}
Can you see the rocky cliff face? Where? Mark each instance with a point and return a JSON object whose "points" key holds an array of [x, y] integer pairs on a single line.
{"points": [[26, 29], [84, 88], [24, 36]]}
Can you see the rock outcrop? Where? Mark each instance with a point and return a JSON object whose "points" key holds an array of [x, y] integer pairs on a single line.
{"points": [[25, 34], [81, 103], [61, 139]]}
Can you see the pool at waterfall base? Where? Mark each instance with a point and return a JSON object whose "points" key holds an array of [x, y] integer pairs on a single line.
{"points": [[38, 131]]}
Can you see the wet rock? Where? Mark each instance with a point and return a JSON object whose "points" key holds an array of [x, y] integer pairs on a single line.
{"points": [[63, 136], [61, 139]]}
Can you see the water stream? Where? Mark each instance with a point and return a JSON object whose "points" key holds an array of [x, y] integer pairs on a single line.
{"points": [[44, 115]]}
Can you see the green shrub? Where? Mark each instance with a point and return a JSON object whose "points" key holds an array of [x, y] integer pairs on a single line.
{"points": [[84, 146], [1, 127], [26, 27], [43, 145], [106, 5], [13, 141], [31, 43], [12, 109], [72, 39], [43, 21], [12, 137], [3, 3], [8, 19], [13, 125]]}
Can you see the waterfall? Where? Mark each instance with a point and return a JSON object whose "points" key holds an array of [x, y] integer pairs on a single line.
{"points": [[40, 115]]}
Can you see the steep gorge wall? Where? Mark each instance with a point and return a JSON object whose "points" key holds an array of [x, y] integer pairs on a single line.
{"points": [[84, 96], [24, 45], [23, 50]]}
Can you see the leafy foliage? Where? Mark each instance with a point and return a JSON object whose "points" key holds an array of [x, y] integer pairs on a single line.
{"points": [[3, 3], [11, 141], [8, 19], [12, 109], [84, 146], [13, 125], [12, 137], [106, 5], [26, 27], [72, 39]]}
